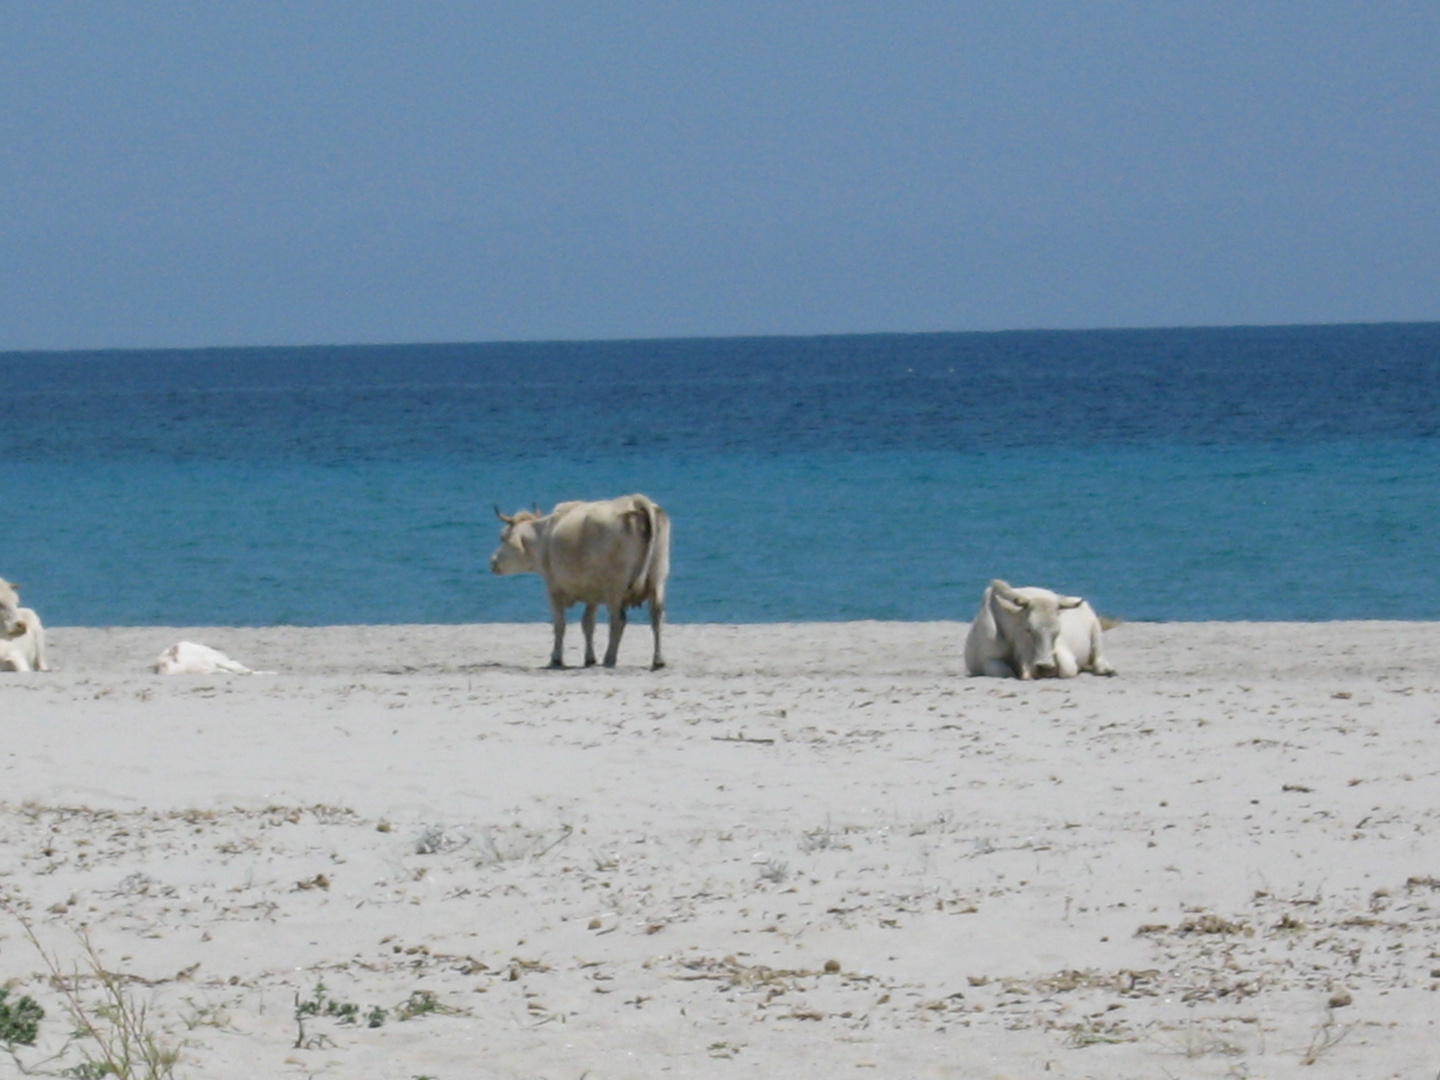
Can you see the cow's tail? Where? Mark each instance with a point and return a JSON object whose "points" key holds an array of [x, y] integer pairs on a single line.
{"points": [[649, 582]]}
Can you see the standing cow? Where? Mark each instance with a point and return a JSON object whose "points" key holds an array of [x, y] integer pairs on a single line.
{"points": [[1033, 633], [615, 553], [22, 637]]}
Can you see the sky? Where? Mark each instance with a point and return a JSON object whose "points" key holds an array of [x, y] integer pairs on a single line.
{"points": [[345, 171]]}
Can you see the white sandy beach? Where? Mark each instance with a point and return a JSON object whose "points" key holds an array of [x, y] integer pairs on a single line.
{"points": [[801, 851]]}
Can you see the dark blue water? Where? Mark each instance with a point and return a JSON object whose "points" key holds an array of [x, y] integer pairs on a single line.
{"points": [[1262, 473]]}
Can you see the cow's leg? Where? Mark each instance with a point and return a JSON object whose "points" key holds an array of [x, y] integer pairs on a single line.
{"points": [[557, 619], [617, 631], [1098, 664], [1066, 666], [587, 623], [657, 618]]}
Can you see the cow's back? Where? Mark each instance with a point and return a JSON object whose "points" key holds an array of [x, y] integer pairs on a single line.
{"points": [[605, 552]]}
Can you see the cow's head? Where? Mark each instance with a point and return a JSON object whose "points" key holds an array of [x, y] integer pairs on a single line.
{"points": [[10, 622], [516, 553], [1031, 624]]}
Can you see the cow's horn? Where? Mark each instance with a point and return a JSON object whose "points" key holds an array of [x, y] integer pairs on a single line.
{"points": [[503, 517]]}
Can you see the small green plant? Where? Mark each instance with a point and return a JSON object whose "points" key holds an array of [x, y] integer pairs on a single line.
{"points": [[20, 1021], [204, 1014], [423, 1003], [419, 1003], [320, 1004]]}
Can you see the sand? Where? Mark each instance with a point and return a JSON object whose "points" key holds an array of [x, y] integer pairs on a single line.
{"points": [[800, 851]]}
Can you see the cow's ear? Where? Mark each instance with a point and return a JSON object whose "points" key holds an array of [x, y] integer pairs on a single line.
{"points": [[1071, 601], [1007, 597]]}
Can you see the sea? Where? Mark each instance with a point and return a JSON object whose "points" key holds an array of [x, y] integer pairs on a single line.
{"points": [[1251, 473]]}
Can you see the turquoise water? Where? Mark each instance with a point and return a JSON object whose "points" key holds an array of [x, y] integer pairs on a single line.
{"points": [[1164, 474]]}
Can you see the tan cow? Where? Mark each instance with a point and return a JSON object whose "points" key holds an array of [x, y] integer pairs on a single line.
{"points": [[22, 637], [615, 553], [1032, 633]]}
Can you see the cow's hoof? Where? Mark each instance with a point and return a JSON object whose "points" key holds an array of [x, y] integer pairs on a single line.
{"points": [[590, 661], [556, 665], [657, 665]]}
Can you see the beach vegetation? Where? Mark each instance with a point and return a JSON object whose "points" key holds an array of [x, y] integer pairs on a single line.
{"points": [[774, 871], [322, 1005], [494, 845], [1200, 1038], [423, 1003], [824, 838], [1325, 1038], [111, 1027], [516, 843], [205, 1014], [1096, 1032], [19, 1020], [431, 840]]}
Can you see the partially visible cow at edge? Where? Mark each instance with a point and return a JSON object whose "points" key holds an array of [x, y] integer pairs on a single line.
{"points": [[1031, 633], [615, 553], [22, 637]]}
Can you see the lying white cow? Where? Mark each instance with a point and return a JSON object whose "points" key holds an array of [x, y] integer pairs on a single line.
{"points": [[615, 553], [188, 658], [22, 637], [1033, 633]]}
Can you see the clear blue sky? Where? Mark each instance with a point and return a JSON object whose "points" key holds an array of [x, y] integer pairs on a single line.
{"points": [[336, 171]]}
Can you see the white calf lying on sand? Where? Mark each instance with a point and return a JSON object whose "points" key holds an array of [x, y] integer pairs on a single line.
{"points": [[22, 637], [1033, 633], [188, 658]]}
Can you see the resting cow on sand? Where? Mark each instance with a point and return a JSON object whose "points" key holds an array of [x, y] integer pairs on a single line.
{"points": [[188, 658], [615, 553], [1033, 633], [22, 637]]}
